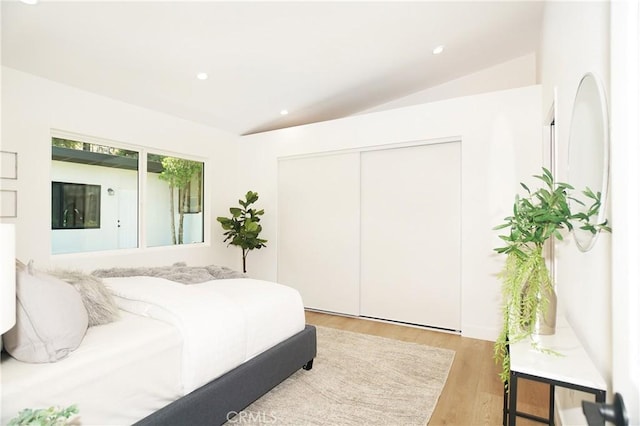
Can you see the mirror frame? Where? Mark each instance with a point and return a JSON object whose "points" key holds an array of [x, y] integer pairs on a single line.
{"points": [[603, 111]]}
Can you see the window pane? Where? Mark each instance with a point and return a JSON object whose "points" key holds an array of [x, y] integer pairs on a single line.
{"points": [[75, 206], [174, 205], [94, 197]]}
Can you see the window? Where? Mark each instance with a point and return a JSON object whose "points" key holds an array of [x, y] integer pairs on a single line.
{"points": [[175, 200], [95, 197], [192, 195], [75, 206]]}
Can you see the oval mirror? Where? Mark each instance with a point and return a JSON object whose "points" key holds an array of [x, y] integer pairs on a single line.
{"points": [[589, 156]]}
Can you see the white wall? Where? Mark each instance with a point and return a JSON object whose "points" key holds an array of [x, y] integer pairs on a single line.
{"points": [[500, 134], [575, 40], [32, 106], [518, 72], [625, 202], [598, 289]]}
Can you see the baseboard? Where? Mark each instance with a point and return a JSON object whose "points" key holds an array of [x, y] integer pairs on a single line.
{"points": [[386, 321], [481, 333]]}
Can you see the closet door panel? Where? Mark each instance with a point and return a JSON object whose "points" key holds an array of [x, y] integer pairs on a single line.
{"points": [[319, 231], [410, 235]]}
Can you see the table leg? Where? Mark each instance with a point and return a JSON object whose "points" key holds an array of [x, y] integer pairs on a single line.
{"points": [[505, 404], [513, 398], [552, 401]]}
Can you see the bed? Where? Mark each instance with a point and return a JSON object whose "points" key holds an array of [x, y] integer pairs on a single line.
{"points": [[178, 355]]}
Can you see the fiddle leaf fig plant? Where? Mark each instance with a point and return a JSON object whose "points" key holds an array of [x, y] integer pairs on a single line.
{"points": [[243, 227], [537, 217]]}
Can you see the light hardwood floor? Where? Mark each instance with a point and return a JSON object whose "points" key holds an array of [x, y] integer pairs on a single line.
{"points": [[473, 392]]}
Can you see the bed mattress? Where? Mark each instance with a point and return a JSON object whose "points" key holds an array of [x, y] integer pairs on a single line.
{"points": [[223, 322], [272, 312], [122, 372], [171, 339]]}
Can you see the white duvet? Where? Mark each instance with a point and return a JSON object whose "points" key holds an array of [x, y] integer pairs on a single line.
{"points": [[123, 371], [223, 322]]}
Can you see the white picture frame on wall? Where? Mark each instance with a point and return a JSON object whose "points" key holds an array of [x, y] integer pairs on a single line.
{"points": [[8, 203], [8, 165]]}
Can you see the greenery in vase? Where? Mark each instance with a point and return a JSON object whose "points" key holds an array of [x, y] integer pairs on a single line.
{"points": [[52, 416], [243, 227], [538, 217]]}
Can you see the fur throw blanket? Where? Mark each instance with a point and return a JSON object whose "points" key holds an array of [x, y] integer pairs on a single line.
{"points": [[97, 300], [178, 272]]}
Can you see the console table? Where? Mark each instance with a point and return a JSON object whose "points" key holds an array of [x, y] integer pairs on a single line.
{"points": [[573, 369]]}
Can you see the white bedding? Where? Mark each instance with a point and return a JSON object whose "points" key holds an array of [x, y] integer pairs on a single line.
{"points": [[173, 339], [223, 322], [122, 372]]}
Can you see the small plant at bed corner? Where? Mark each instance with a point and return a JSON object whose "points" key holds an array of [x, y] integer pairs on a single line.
{"points": [[243, 228], [52, 416]]}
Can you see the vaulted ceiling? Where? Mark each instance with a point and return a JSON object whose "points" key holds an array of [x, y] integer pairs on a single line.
{"points": [[318, 60]]}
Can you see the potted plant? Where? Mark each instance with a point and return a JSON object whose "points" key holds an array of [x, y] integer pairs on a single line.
{"points": [[52, 416], [243, 227], [527, 288]]}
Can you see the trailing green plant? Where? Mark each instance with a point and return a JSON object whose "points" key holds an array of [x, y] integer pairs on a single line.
{"points": [[539, 216], [243, 227], [52, 416]]}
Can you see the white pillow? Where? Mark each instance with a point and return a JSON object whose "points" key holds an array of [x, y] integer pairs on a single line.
{"points": [[51, 320]]}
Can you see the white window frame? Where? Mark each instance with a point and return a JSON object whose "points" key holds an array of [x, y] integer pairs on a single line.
{"points": [[142, 191]]}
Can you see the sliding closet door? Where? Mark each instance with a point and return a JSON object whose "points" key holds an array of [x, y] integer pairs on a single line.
{"points": [[319, 230], [410, 235]]}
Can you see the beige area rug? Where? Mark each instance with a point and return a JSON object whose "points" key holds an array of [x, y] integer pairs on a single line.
{"points": [[357, 379]]}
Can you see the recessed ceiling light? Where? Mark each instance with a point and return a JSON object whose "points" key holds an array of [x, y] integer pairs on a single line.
{"points": [[438, 50], [284, 112], [202, 76], [29, 1]]}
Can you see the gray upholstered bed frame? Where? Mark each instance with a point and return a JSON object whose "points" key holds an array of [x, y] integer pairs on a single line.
{"points": [[215, 402]]}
